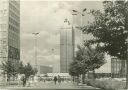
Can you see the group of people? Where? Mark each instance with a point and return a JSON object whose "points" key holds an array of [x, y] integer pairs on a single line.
{"points": [[57, 79]]}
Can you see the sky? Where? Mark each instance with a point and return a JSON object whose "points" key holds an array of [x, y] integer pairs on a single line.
{"points": [[46, 18]]}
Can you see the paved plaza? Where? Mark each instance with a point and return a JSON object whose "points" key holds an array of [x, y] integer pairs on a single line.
{"points": [[51, 86]]}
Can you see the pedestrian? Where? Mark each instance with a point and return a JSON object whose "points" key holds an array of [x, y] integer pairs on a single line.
{"points": [[59, 79], [44, 79], [24, 81], [55, 80]]}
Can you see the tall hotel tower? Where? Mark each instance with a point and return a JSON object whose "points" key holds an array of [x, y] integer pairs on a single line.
{"points": [[66, 47], [9, 30]]}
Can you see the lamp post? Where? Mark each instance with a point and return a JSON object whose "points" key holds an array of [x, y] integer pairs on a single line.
{"points": [[75, 12], [52, 51], [35, 48]]}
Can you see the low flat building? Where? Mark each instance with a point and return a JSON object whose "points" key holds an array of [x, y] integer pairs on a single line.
{"points": [[45, 69]]}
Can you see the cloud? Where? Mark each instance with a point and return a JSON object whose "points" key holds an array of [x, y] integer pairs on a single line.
{"points": [[46, 18]]}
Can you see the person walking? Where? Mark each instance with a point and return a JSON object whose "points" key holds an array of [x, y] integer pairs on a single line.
{"points": [[55, 80], [59, 79], [23, 80]]}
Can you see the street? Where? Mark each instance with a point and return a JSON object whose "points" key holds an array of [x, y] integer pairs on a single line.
{"points": [[51, 86]]}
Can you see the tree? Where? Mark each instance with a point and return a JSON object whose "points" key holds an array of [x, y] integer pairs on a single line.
{"points": [[12, 69], [74, 69], [20, 68], [110, 29], [29, 70], [96, 58], [87, 59], [9, 68]]}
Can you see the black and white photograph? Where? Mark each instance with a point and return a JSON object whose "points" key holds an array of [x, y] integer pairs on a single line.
{"points": [[63, 45]]}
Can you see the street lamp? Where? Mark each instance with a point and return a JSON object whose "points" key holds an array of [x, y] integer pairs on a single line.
{"points": [[35, 48], [52, 51], [75, 12]]}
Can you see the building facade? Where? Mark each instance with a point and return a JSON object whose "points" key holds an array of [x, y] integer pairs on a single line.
{"points": [[66, 47], [116, 68], [9, 30], [45, 69]]}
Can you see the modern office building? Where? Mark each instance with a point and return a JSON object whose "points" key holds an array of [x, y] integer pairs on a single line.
{"points": [[66, 47], [9, 30]]}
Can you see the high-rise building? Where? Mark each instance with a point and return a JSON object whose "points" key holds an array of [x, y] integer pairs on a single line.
{"points": [[9, 30], [66, 47]]}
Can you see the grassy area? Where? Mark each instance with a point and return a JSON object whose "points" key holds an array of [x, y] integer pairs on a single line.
{"points": [[108, 84]]}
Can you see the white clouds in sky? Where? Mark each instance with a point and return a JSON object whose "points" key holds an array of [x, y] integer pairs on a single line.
{"points": [[46, 17]]}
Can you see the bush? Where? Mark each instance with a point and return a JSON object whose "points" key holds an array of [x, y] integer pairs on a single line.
{"points": [[106, 84]]}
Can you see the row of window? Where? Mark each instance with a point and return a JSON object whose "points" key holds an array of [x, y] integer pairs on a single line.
{"points": [[13, 53], [3, 41], [14, 43], [3, 19], [14, 22], [13, 28], [3, 55], [3, 34], [3, 27], [12, 14], [3, 12], [3, 4], [12, 7], [15, 2], [13, 36]]}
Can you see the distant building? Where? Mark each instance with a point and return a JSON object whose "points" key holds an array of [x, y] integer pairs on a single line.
{"points": [[45, 69], [113, 68], [62, 75], [66, 47], [56, 67], [116, 68], [9, 30]]}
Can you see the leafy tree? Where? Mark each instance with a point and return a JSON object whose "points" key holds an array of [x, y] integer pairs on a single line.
{"points": [[87, 59], [20, 68], [110, 27], [75, 68], [12, 69], [29, 70], [9, 68]]}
